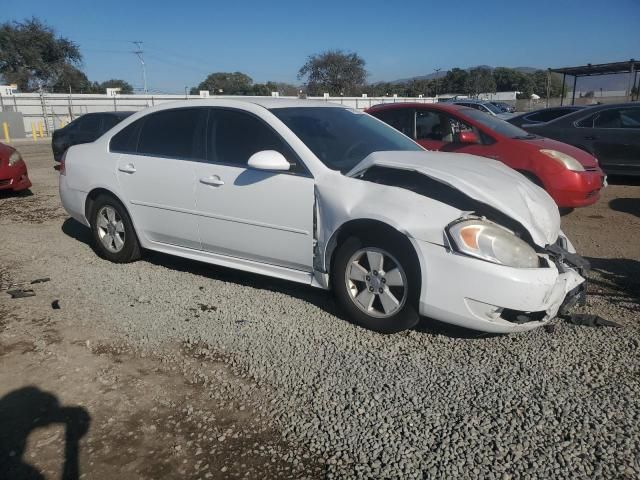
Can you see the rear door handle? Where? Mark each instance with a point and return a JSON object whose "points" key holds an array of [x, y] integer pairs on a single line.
{"points": [[128, 168], [213, 180], [590, 137]]}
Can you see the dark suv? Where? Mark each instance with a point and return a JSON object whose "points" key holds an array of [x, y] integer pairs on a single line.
{"points": [[84, 129]]}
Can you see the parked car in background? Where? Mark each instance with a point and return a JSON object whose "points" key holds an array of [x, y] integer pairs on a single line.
{"points": [[543, 115], [482, 106], [84, 129], [13, 170], [323, 195], [611, 133], [505, 107], [571, 176]]}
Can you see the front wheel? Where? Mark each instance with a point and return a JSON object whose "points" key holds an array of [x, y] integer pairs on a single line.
{"points": [[377, 283]]}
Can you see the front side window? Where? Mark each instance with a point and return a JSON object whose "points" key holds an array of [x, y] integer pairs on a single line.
{"points": [[399, 118], [175, 133], [630, 118], [342, 138], [608, 119], [429, 125], [235, 135]]}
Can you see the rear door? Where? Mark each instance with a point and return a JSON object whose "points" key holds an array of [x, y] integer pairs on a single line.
{"points": [[156, 170]]}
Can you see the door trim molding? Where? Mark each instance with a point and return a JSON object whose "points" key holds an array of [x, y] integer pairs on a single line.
{"points": [[222, 217]]}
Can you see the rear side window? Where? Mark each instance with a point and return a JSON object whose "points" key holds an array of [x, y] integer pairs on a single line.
{"points": [[126, 140], [176, 133], [109, 121], [546, 116], [90, 123], [234, 136]]}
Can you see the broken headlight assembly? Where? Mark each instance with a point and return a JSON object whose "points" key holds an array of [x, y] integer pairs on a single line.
{"points": [[492, 243]]}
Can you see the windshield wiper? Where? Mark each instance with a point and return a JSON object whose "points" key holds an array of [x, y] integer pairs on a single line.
{"points": [[529, 136]]}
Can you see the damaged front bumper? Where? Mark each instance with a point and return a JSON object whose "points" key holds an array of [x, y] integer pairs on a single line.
{"points": [[484, 296]]}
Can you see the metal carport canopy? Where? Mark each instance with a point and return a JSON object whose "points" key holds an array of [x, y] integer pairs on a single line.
{"points": [[631, 67]]}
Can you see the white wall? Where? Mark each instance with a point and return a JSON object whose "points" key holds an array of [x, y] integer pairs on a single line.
{"points": [[62, 108]]}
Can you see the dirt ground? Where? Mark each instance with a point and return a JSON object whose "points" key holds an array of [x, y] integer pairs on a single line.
{"points": [[77, 399]]}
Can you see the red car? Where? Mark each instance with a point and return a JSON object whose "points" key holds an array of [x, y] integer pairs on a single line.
{"points": [[13, 170], [570, 175]]}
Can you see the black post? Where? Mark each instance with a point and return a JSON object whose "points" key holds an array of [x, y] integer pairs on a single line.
{"points": [[573, 95], [564, 76]]}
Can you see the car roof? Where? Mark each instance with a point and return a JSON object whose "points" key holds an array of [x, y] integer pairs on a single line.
{"points": [[589, 109], [444, 106]]}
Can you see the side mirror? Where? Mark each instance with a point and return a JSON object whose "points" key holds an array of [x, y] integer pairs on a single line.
{"points": [[269, 160], [468, 137]]}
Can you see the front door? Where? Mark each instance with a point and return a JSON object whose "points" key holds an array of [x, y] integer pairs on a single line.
{"points": [[247, 213]]}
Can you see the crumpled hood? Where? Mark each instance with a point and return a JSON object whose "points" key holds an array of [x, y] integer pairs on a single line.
{"points": [[484, 180]]}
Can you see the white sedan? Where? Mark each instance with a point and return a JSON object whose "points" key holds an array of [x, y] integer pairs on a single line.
{"points": [[330, 197]]}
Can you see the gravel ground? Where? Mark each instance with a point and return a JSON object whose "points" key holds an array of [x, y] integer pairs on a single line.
{"points": [[434, 402]]}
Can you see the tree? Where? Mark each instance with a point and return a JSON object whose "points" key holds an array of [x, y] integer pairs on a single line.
{"points": [[72, 78], [335, 72], [226, 83], [539, 78], [455, 81], [125, 87], [480, 80], [33, 56]]}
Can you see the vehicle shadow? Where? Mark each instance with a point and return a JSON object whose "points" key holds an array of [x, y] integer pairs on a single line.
{"points": [[11, 194], [623, 180], [618, 279], [315, 296], [26, 409], [626, 205]]}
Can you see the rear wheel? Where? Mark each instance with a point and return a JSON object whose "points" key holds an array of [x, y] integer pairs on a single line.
{"points": [[113, 233], [377, 283]]}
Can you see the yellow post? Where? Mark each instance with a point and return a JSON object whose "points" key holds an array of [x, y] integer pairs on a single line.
{"points": [[40, 129], [33, 132], [5, 129]]}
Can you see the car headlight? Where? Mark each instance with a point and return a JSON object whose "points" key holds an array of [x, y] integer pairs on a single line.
{"points": [[565, 160], [490, 242], [14, 158]]}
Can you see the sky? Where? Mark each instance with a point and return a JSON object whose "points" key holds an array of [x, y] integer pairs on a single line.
{"points": [[184, 41]]}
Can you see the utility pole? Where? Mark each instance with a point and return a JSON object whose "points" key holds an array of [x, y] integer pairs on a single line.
{"points": [[437, 70], [139, 52]]}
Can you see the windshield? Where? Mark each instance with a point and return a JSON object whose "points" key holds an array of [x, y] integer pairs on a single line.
{"points": [[340, 137], [495, 109], [497, 125]]}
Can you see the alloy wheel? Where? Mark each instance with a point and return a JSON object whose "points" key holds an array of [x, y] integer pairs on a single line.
{"points": [[376, 282]]}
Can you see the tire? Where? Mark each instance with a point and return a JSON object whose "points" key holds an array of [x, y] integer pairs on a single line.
{"points": [[114, 237], [378, 317]]}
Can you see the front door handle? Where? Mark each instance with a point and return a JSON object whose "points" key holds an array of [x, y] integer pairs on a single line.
{"points": [[128, 168], [213, 180]]}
